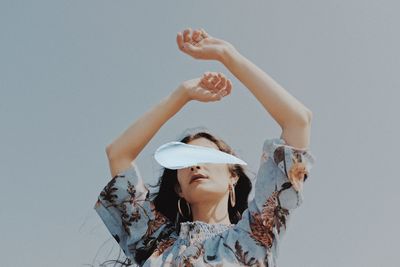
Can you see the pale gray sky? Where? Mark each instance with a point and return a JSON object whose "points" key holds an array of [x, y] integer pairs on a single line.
{"points": [[75, 74]]}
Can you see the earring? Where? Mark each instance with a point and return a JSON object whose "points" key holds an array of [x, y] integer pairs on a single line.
{"points": [[179, 207], [232, 195]]}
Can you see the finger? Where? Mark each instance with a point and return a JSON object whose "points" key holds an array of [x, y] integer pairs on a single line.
{"points": [[220, 76], [215, 80], [207, 84], [186, 35], [221, 84], [225, 90], [204, 34], [191, 49], [228, 87], [218, 82], [217, 96], [210, 95], [205, 78], [203, 84], [206, 74], [205, 91], [210, 86], [214, 96], [179, 40], [209, 80], [196, 35], [211, 75]]}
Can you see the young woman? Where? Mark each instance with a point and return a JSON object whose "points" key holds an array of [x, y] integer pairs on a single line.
{"points": [[209, 222]]}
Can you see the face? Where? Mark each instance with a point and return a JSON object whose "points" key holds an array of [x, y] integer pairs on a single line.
{"points": [[214, 187]]}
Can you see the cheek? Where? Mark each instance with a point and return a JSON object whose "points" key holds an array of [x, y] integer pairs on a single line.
{"points": [[221, 175], [181, 174], [181, 177]]}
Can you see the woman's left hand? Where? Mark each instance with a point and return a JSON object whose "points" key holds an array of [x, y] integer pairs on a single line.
{"points": [[200, 45], [212, 86]]}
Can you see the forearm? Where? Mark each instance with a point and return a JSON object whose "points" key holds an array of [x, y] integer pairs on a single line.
{"points": [[283, 107], [132, 141]]}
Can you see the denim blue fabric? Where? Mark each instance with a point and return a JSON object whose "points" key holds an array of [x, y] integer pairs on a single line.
{"points": [[148, 238]]}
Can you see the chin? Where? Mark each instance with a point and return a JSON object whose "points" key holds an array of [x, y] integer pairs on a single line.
{"points": [[201, 193]]}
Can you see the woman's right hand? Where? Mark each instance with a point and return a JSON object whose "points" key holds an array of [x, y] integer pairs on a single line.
{"points": [[212, 86], [201, 45]]}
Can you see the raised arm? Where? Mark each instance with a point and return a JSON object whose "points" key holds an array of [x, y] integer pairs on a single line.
{"points": [[293, 117], [123, 150]]}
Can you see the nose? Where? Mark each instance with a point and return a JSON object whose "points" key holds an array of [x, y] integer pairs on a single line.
{"points": [[193, 167]]}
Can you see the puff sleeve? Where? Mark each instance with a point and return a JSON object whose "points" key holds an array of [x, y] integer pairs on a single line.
{"points": [[283, 170], [278, 190], [129, 215]]}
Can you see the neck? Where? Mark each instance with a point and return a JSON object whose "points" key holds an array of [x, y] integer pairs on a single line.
{"points": [[212, 212]]}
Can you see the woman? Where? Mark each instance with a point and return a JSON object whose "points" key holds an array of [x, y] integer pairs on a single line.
{"points": [[209, 222]]}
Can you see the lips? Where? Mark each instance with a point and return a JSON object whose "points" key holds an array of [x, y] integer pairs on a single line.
{"points": [[197, 176]]}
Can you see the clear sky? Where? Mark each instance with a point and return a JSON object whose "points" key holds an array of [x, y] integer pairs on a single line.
{"points": [[75, 74]]}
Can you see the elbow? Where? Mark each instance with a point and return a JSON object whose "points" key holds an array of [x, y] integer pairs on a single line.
{"points": [[305, 118], [301, 119], [309, 116], [109, 151], [114, 154]]}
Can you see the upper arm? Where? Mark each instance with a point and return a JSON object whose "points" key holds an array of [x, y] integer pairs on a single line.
{"points": [[297, 136], [118, 165]]}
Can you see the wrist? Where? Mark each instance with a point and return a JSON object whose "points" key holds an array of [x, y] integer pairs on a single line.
{"points": [[227, 53], [182, 94]]}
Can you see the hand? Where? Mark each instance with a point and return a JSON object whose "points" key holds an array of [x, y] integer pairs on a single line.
{"points": [[212, 86], [200, 45]]}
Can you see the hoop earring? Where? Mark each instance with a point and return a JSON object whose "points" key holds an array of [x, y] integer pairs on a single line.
{"points": [[232, 195], [179, 207]]}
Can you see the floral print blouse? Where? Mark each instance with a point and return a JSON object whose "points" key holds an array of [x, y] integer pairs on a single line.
{"points": [[149, 239]]}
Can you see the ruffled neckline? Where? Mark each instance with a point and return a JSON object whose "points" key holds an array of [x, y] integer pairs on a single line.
{"points": [[198, 231]]}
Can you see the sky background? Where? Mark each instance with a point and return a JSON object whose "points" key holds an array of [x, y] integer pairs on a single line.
{"points": [[75, 74]]}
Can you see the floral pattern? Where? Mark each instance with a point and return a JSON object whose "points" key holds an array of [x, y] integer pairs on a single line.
{"points": [[163, 245], [148, 238], [242, 256]]}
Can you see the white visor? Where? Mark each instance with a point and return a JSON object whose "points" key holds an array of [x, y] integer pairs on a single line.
{"points": [[177, 155]]}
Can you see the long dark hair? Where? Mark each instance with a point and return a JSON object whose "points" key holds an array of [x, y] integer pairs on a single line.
{"points": [[166, 199]]}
